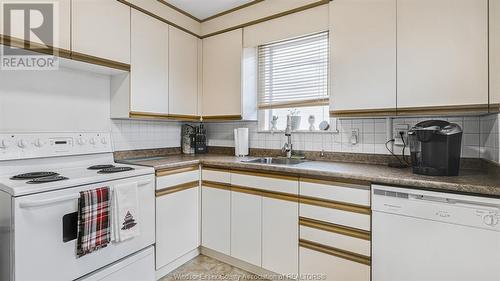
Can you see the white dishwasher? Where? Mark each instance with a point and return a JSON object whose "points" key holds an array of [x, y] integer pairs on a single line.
{"points": [[431, 236]]}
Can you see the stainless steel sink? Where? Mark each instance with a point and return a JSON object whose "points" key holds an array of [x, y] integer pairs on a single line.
{"points": [[276, 161]]}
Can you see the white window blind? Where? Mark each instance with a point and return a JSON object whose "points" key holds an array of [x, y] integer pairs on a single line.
{"points": [[294, 73]]}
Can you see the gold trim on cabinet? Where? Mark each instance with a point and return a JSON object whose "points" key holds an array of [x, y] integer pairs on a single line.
{"points": [[157, 17], [100, 61], [221, 117], [217, 185], [335, 205], [347, 182], [363, 112], [494, 108], [271, 17], [232, 10], [168, 172], [266, 193], [177, 188], [339, 229], [266, 175], [443, 110], [335, 252], [151, 115], [34, 47]]}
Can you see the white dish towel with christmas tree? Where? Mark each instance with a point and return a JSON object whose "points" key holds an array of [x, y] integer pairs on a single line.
{"points": [[125, 212]]}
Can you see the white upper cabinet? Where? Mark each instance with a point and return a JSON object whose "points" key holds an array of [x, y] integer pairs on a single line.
{"points": [[149, 67], [222, 64], [495, 53], [61, 20], [183, 73], [101, 28], [363, 58], [442, 53]]}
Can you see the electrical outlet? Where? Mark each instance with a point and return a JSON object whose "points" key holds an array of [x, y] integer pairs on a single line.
{"points": [[354, 136], [398, 130]]}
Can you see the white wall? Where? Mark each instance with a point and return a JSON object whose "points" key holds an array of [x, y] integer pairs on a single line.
{"points": [[65, 100]]}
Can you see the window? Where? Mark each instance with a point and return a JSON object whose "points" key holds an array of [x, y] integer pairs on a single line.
{"points": [[293, 78]]}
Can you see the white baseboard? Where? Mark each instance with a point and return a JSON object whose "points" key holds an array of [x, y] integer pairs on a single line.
{"points": [[240, 264], [162, 272]]}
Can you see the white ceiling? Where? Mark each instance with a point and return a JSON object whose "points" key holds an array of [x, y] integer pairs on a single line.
{"points": [[203, 9]]}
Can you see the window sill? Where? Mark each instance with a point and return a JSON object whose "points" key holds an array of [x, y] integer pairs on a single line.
{"points": [[297, 132]]}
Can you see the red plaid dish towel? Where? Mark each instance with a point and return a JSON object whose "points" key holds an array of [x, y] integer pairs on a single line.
{"points": [[94, 223]]}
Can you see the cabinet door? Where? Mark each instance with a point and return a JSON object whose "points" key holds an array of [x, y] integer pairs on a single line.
{"points": [[101, 28], [183, 73], [363, 46], [495, 53], [332, 268], [246, 227], [216, 219], [149, 67], [442, 53], [177, 225], [61, 28], [280, 236], [222, 56]]}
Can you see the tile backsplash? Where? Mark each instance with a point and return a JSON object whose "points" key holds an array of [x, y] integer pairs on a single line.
{"points": [[480, 140], [133, 135], [490, 137], [372, 136]]}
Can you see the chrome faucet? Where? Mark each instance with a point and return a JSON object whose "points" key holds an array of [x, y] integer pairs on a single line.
{"points": [[288, 147]]}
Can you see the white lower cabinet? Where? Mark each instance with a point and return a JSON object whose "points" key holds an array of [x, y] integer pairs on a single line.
{"points": [[216, 219], [177, 214], [280, 235], [246, 227], [177, 225], [332, 268]]}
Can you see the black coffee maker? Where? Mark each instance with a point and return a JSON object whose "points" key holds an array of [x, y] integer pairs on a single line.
{"points": [[435, 148]]}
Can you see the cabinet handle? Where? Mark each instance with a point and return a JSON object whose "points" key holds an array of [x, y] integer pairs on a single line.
{"points": [[177, 188], [51, 201], [335, 252], [146, 182]]}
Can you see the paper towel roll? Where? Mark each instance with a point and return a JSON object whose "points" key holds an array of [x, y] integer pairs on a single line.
{"points": [[241, 141]]}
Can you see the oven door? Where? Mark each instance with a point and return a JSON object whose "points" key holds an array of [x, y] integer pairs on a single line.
{"points": [[45, 233]]}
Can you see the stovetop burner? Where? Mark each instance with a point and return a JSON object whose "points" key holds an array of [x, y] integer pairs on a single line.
{"points": [[47, 179], [100, 167], [115, 170], [33, 175]]}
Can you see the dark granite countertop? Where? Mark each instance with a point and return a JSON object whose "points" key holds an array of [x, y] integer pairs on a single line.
{"points": [[480, 181]]}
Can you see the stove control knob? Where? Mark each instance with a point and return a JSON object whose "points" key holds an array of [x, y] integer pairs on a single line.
{"points": [[104, 141], [22, 143], [92, 141], [80, 141], [39, 143], [490, 220], [4, 144]]}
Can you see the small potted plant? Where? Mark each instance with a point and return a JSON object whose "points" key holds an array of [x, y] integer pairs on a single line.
{"points": [[294, 113]]}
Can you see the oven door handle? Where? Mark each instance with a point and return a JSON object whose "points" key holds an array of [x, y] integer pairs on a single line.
{"points": [[51, 201], [146, 182]]}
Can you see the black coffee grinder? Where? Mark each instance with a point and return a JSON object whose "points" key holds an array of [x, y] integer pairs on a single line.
{"points": [[435, 148]]}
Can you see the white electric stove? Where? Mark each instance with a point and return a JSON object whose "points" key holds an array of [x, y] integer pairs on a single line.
{"points": [[41, 176]]}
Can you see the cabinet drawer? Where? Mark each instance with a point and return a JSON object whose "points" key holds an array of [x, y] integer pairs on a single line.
{"points": [[330, 267], [216, 175], [269, 182], [336, 191], [170, 178], [336, 216], [340, 239]]}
